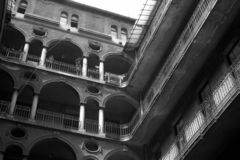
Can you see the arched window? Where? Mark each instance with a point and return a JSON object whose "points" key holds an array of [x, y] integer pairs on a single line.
{"points": [[114, 32], [74, 21], [63, 19], [124, 34], [22, 7]]}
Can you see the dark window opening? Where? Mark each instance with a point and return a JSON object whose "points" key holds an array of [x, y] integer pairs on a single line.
{"points": [[234, 52], [204, 92], [74, 21], [22, 7], [39, 33]]}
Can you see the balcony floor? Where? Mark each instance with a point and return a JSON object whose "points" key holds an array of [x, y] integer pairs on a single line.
{"points": [[222, 140]]}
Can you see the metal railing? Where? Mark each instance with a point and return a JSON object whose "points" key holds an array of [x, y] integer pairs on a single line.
{"points": [[115, 79], [94, 74], [32, 59], [91, 126], [4, 107], [63, 67], [112, 130], [57, 120], [22, 112], [10, 53], [212, 106]]}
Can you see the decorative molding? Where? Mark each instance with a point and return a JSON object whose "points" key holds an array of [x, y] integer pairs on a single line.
{"points": [[41, 19]]}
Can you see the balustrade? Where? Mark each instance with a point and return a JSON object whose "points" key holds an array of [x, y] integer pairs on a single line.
{"points": [[22, 112], [91, 126], [93, 74], [10, 53], [32, 59]]}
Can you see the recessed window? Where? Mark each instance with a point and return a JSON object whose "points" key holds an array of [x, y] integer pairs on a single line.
{"points": [[204, 92], [91, 146], [93, 89], [234, 52], [63, 19], [74, 21], [114, 32], [178, 127], [29, 75], [18, 133], [22, 7], [124, 34], [39, 32]]}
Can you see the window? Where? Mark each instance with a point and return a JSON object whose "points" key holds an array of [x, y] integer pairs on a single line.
{"points": [[204, 92], [63, 19], [74, 21], [124, 34], [22, 7], [178, 128], [114, 32], [234, 52]]}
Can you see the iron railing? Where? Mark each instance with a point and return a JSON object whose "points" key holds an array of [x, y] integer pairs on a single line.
{"points": [[10, 53], [22, 112], [32, 59], [91, 126], [61, 66], [94, 74], [57, 120], [4, 107]]}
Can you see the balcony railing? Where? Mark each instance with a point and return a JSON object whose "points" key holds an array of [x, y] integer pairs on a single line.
{"points": [[63, 67], [91, 126], [4, 107], [8, 53], [94, 74], [32, 59], [57, 120], [22, 112], [210, 109]]}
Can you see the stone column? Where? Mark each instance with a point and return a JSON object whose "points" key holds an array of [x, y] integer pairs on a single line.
{"points": [[84, 67], [1, 155], [101, 119], [25, 52], [13, 101], [82, 116], [101, 70], [43, 56], [34, 107]]}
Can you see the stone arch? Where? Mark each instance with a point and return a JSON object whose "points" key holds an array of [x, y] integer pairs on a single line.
{"points": [[31, 84], [64, 140], [90, 158], [123, 151], [105, 56], [92, 98], [131, 100], [22, 31], [66, 82], [37, 38], [24, 150], [87, 54], [64, 39], [11, 75]]}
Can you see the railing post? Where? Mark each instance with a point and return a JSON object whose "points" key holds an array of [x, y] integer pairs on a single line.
{"points": [[25, 52], [84, 67], [34, 107], [101, 70], [101, 120], [13, 102], [43, 56], [82, 116]]}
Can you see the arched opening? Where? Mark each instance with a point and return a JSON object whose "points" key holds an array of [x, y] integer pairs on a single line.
{"points": [[74, 21], [63, 19], [117, 64], [63, 56], [52, 149], [114, 32], [124, 34], [6, 86], [122, 155], [93, 66], [13, 152], [13, 39], [91, 116], [119, 110], [59, 105], [22, 7], [35, 51]]}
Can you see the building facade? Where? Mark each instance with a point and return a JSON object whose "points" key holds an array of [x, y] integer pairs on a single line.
{"points": [[81, 83]]}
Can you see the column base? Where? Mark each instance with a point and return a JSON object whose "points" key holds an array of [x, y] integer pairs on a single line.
{"points": [[9, 116], [81, 130], [101, 134], [31, 120]]}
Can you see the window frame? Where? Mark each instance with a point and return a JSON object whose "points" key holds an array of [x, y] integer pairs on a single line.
{"points": [[62, 17], [21, 8], [126, 34], [116, 31], [74, 21]]}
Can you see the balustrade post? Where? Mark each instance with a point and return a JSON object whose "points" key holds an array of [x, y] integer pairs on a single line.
{"points": [[101, 120], [13, 102], [84, 67], [34, 107], [82, 116], [101, 70], [43, 56], [25, 52]]}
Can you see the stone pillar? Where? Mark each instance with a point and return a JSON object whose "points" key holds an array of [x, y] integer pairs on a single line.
{"points": [[1, 155], [101, 119], [82, 116], [84, 67], [43, 56], [13, 101], [25, 52], [34, 107], [101, 70]]}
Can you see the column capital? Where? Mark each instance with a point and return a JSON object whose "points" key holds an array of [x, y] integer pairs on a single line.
{"points": [[101, 107], [82, 103], [101, 60]]}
